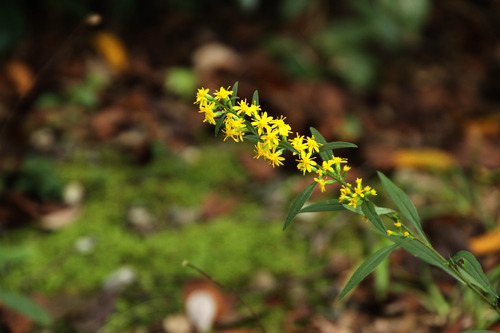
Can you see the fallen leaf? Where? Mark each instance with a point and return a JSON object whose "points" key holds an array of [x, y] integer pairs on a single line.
{"points": [[59, 218], [423, 158], [486, 243], [112, 49], [21, 76]]}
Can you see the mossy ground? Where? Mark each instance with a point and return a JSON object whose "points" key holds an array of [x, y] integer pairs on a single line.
{"points": [[230, 247]]}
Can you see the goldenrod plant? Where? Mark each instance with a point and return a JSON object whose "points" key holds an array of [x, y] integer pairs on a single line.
{"points": [[245, 120]]}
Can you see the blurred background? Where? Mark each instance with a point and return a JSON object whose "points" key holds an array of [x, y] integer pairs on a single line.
{"points": [[109, 178]]}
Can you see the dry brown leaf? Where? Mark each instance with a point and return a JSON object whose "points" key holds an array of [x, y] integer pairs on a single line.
{"points": [[21, 76], [423, 158], [108, 122], [113, 50], [486, 243], [59, 218]]}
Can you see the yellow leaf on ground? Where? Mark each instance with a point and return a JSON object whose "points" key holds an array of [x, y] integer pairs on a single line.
{"points": [[423, 158], [486, 243], [112, 49]]}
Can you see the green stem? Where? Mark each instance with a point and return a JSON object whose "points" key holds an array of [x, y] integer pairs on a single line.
{"points": [[457, 272]]}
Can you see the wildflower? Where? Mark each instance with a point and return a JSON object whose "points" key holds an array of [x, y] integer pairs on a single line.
{"points": [[298, 143], [327, 165], [261, 122], [305, 162], [353, 202], [312, 144], [200, 95], [271, 138], [282, 127], [253, 110], [389, 232], [321, 182], [208, 109], [338, 160], [242, 108], [406, 234], [274, 157], [398, 224], [261, 150], [222, 93], [235, 128]]}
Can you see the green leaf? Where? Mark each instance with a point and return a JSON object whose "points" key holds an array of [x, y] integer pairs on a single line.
{"points": [[285, 144], [368, 209], [403, 202], [467, 263], [336, 145], [235, 92], [366, 268], [420, 250], [297, 204], [324, 206], [327, 154], [379, 210], [252, 129], [479, 331], [25, 306], [255, 98], [253, 138], [218, 124]]}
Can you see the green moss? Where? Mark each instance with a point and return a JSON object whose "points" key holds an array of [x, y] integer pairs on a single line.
{"points": [[231, 248]]}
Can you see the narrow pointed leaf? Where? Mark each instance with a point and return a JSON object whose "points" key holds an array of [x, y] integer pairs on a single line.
{"points": [[420, 250], [253, 138], [324, 206], [366, 268], [368, 209], [218, 124], [325, 154], [235, 93], [336, 145], [287, 146], [24, 306], [297, 204], [466, 262], [479, 331], [250, 127], [255, 98], [379, 210], [403, 203]]}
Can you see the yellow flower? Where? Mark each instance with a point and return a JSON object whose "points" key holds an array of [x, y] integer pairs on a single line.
{"points": [[327, 165], [298, 143], [200, 95], [321, 182], [312, 144], [282, 127], [398, 224], [338, 160], [209, 112], [261, 122], [222, 93], [389, 232], [271, 138], [353, 202], [261, 150], [235, 128], [306, 162], [242, 108], [406, 234], [274, 157]]}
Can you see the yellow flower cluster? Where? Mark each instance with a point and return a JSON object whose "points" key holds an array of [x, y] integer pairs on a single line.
{"points": [[272, 139], [354, 194], [400, 231]]}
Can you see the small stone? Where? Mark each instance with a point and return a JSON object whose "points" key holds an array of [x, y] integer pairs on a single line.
{"points": [[177, 323], [119, 279], [85, 245]]}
